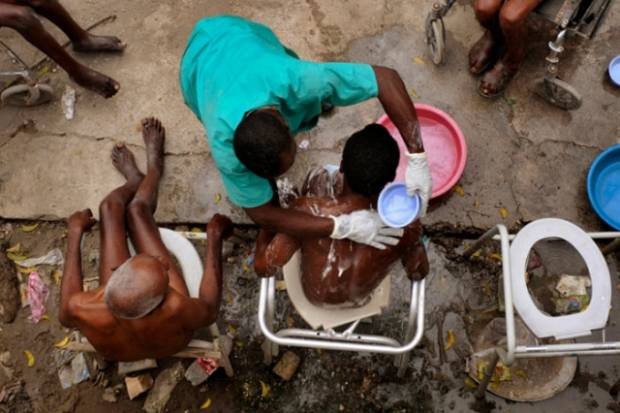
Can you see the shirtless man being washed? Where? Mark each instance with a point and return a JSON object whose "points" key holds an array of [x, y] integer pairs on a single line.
{"points": [[341, 271], [142, 308]]}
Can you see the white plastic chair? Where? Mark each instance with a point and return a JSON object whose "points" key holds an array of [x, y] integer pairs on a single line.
{"points": [[346, 340], [515, 251]]}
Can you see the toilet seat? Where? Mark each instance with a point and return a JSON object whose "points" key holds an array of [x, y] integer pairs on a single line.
{"points": [[186, 255], [562, 327]]}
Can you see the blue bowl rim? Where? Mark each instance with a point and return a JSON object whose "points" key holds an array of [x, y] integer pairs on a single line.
{"points": [[590, 184], [615, 60], [380, 209]]}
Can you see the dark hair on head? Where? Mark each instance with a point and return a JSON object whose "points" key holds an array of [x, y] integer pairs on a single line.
{"points": [[369, 160], [259, 140]]}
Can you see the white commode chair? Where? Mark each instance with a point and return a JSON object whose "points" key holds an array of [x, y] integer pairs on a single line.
{"points": [[515, 252], [323, 320]]}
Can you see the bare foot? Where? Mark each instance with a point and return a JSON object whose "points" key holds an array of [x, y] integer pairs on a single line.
{"points": [[494, 82], [220, 226], [92, 43], [154, 136], [124, 162], [483, 53], [95, 81]]}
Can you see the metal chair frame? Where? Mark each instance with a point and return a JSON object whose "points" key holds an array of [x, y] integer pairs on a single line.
{"points": [[514, 351], [346, 340]]}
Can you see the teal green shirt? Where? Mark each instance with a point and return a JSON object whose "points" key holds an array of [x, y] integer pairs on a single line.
{"points": [[232, 66]]}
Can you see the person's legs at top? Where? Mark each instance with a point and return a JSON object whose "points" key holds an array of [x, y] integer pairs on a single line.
{"points": [[24, 20], [81, 39], [143, 229], [512, 20], [486, 49], [114, 251]]}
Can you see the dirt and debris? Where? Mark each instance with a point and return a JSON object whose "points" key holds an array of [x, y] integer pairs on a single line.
{"points": [[9, 290], [165, 383], [461, 300], [136, 385], [287, 366], [125, 368]]}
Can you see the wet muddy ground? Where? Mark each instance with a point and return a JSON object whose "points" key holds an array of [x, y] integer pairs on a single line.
{"points": [[461, 300]]}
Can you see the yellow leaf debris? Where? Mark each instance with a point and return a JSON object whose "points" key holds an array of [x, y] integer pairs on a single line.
{"points": [[450, 340], [206, 404], [29, 358], [15, 257], [503, 212], [62, 343], [15, 248], [57, 276], [264, 389], [29, 228]]}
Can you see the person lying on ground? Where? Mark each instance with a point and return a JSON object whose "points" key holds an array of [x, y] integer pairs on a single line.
{"points": [[253, 95], [142, 307], [21, 15], [341, 271], [501, 49]]}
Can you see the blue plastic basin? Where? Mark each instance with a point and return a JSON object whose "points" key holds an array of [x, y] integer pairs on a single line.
{"points": [[395, 207], [604, 186]]}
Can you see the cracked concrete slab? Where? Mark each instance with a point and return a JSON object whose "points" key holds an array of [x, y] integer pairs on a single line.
{"points": [[54, 166]]}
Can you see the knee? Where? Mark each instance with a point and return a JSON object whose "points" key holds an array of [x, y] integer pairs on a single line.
{"points": [[486, 10], [511, 18], [137, 209], [21, 18], [111, 207]]}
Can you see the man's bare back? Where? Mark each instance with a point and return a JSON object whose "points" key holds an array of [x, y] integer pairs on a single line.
{"points": [[340, 271], [142, 308], [158, 334]]}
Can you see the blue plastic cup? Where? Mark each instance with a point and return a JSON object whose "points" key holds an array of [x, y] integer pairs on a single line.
{"points": [[614, 70], [396, 208]]}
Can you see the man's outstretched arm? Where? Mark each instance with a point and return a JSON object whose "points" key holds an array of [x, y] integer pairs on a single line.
{"points": [[399, 107], [295, 223], [203, 311], [363, 226], [78, 224]]}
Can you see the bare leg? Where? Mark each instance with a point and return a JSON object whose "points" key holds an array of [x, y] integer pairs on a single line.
{"points": [[23, 19], [81, 39], [143, 229], [114, 249], [485, 49], [512, 21]]}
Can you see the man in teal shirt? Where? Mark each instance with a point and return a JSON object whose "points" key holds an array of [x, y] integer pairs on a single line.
{"points": [[253, 96]]}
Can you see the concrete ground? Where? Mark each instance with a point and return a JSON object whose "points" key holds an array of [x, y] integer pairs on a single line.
{"points": [[524, 155]]}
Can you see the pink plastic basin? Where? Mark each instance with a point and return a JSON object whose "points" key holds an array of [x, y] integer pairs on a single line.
{"points": [[444, 144]]}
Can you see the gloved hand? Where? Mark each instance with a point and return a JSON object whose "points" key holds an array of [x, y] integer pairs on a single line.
{"points": [[418, 179], [365, 227]]}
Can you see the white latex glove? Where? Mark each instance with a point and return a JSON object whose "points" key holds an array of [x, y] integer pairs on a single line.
{"points": [[365, 227], [418, 179]]}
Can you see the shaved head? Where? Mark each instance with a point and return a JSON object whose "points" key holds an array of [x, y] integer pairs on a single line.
{"points": [[137, 287]]}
